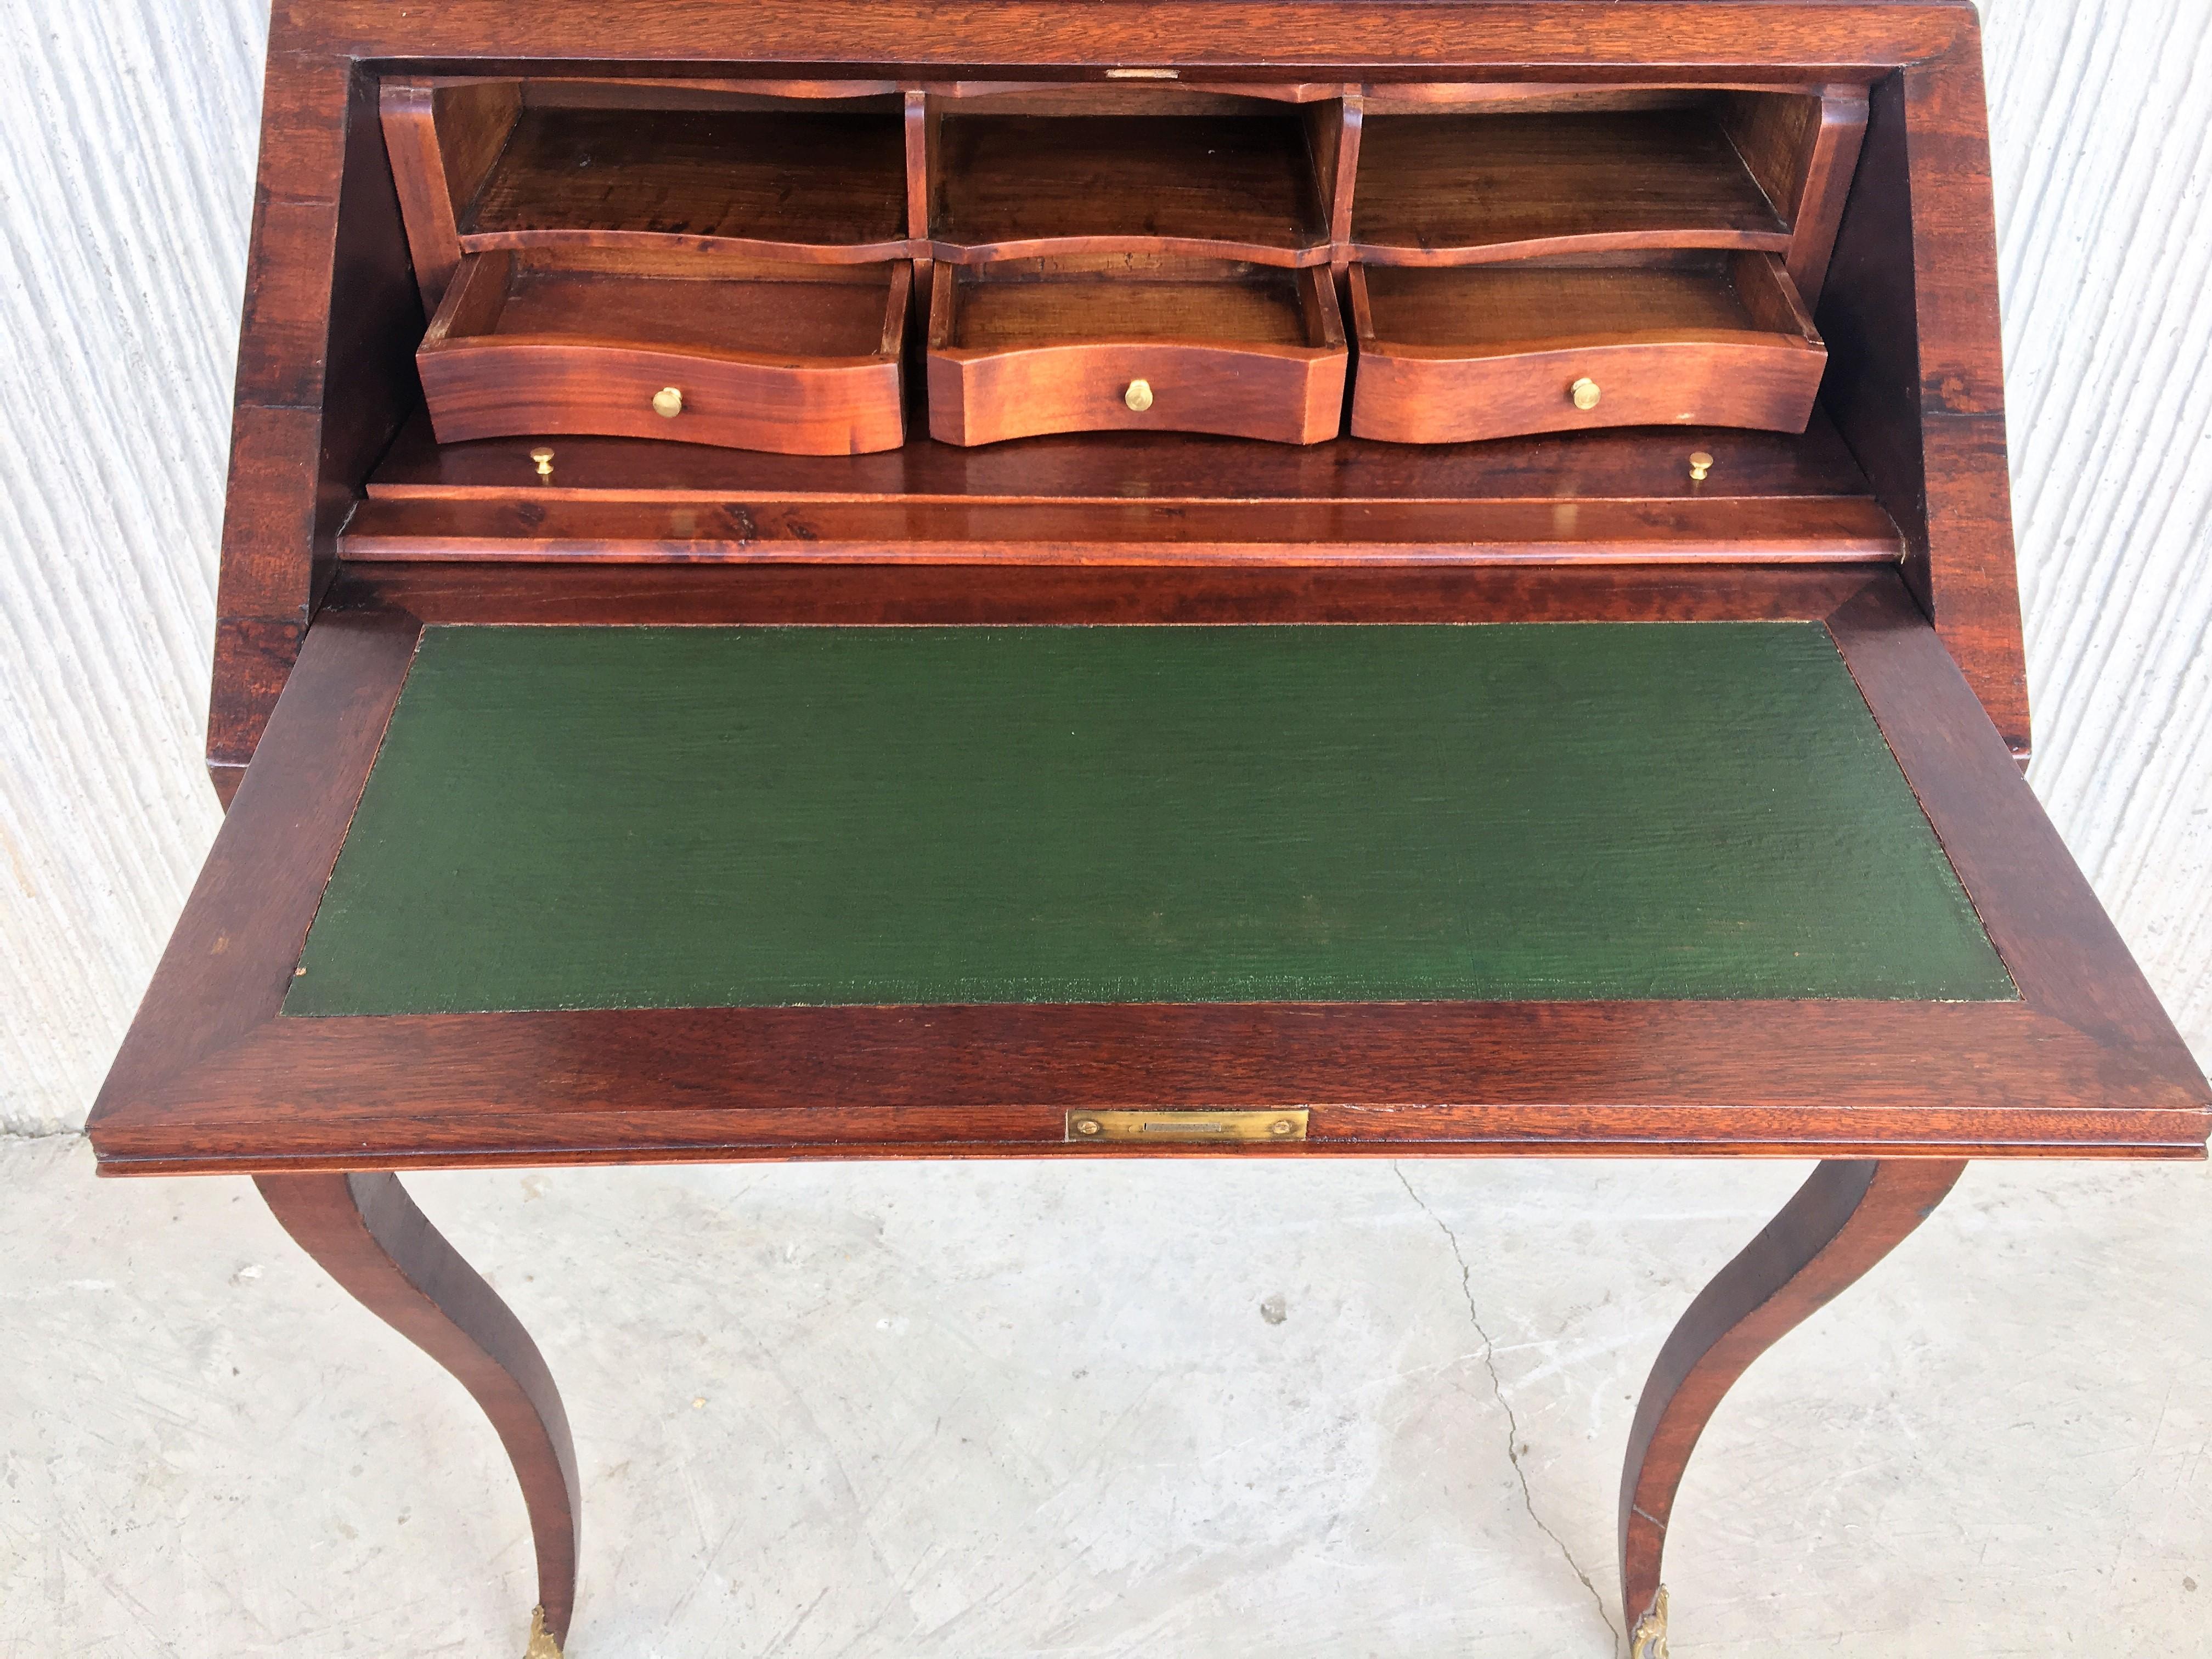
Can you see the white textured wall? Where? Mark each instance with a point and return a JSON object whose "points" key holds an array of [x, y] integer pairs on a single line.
{"points": [[126, 155]]}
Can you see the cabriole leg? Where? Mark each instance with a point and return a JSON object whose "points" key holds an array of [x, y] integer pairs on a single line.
{"points": [[1847, 1216], [368, 1236]]}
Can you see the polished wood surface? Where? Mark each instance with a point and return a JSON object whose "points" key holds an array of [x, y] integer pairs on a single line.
{"points": [[442, 139], [1455, 188], [1454, 356], [301, 453], [1591, 468], [1725, 532], [796, 358], [1010, 186], [365, 1232], [1849, 1216], [1916, 383], [1284, 135], [1248, 353], [794, 182], [2085, 1064]]}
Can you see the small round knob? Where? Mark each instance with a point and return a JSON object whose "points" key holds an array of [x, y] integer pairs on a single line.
{"points": [[1700, 464], [668, 403], [1585, 394], [544, 459], [1138, 397]]}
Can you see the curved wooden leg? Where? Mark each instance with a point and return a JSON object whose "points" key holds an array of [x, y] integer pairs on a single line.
{"points": [[368, 1236], [1849, 1215]]}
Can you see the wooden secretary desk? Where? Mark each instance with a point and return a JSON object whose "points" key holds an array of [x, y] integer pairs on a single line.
{"points": [[1293, 579]]}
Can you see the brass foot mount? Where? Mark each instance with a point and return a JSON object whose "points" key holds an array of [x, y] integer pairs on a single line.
{"points": [[541, 1644], [1649, 1639]]}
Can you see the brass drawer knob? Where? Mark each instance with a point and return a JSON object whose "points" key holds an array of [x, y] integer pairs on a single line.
{"points": [[668, 403], [544, 459], [1138, 397], [1700, 464], [1585, 394]]}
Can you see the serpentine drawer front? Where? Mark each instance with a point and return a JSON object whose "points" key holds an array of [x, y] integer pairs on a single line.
{"points": [[1255, 352], [801, 359], [1450, 355]]}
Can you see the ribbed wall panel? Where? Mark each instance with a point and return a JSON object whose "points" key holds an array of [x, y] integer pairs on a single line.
{"points": [[126, 161], [2101, 128], [127, 137]]}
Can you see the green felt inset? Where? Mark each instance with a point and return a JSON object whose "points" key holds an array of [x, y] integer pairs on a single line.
{"points": [[623, 817]]}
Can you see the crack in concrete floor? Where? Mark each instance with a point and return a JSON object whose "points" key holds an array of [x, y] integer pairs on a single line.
{"points": [[1513, 1447]]}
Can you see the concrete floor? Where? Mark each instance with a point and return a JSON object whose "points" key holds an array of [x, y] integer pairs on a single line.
{"points": [[1090, 1409]]}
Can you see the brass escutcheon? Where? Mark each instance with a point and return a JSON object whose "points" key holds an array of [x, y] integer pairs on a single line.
{"points": [[1163, 1125]]}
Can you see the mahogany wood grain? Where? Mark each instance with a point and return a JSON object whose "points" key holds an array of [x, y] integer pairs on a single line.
{"points": [[1720, 533], [364, 1232], [799, 183], [1665, 1079], [1236, 186], [331, 304], [1803, 150], [418, 173], [2062, 950], [1824, 187], [1916, 388], [1333, 127], [1934, 1079], [1260, 355], [1215, 38], [1629, 87], [1460, 189], [1624, 465], [937, 592], [228, 961], [801, 359], [1849, 1216], [315, 47], [1120, 527], [1453, 356]]}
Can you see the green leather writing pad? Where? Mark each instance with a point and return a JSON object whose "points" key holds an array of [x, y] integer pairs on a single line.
{"points": [[624, 818]]}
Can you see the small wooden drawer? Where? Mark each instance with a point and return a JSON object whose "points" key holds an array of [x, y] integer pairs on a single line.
{"points": [[800, 359], [1454, 354], [1124, 344]]}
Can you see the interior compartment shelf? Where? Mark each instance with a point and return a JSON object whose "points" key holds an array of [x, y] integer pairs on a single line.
{"points": [[1459, 189], [1242, 186], [819, 184]]}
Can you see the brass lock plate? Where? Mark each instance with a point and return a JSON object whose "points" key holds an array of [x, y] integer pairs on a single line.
{"points": [[1163, 1126]]}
